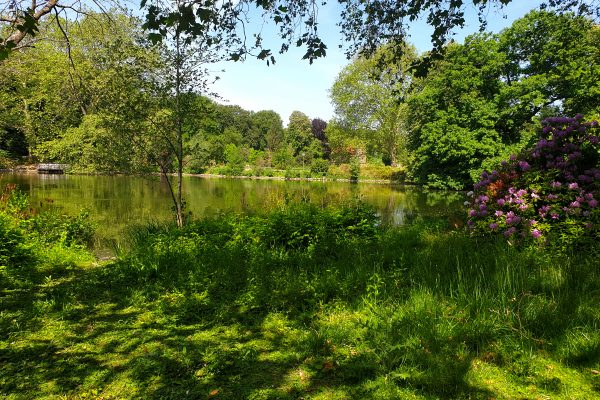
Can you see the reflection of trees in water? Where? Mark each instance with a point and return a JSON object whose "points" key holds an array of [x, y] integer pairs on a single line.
{"points": [[117, 201]]}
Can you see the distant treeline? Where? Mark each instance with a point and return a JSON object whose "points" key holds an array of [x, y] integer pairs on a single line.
{"points": [[104, 102]]}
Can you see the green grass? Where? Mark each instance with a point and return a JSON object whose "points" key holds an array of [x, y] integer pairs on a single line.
{"points": [[302, 303]]}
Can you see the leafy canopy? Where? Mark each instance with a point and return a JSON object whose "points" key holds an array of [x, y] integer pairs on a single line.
{"points": [[365, 24]]}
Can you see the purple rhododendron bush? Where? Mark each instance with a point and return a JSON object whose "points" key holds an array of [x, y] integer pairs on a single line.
{"points": [[549, 194]]}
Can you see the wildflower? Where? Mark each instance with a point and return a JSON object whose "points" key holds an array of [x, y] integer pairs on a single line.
{"points": [[573, 186], [500, 202], [493, 226], [593, 203], [575, 204], [472, 213], [499, 213], [536, 233], [556, 184], [510, 231]]}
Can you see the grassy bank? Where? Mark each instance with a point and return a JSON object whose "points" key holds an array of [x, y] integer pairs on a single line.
{"points": [[301, 303]]}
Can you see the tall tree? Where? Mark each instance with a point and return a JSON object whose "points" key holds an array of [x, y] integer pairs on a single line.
{"points": [[483, 100], [299, 132], [267, 130], [365, 98]]}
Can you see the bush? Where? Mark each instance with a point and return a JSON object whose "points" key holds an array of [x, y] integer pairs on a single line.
{"points": [[11, 241], [319, 167], [549, 193]]}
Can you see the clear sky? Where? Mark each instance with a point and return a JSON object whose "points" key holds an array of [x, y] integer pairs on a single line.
{"points": [[293, 84]]}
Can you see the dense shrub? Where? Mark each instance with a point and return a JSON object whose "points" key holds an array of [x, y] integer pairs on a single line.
{"points": [[319, 166], [11, 239], [549, 193]]}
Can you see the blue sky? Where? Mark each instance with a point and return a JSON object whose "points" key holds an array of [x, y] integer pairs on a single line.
{"points": [[293, 84]]}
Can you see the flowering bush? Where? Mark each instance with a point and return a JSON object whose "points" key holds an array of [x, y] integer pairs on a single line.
{"points": [[549, 193]]}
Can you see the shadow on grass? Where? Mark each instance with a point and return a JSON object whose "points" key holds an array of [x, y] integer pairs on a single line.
{"points": [[406, 315]]}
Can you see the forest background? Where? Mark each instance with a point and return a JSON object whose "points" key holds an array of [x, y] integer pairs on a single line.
{"points": [[103, 100]]}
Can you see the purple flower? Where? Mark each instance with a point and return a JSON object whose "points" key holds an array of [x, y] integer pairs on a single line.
{"points": [[493, 226], [575, 204], [500, 202], [593, 203], [554, 216], [510, 231], [536, 233], [573, 186], [499, 213], [521, 192], [523, 207], [535, 196], [556, 184], [524, 165], [472, 213]]}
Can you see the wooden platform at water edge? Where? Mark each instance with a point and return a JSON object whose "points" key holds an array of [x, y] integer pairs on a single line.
{"points": [[52, 168]]}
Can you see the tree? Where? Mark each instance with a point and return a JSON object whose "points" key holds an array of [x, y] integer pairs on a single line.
{"points": [[482, 101], [318, 130], [267, 130], [299, 132], [366, 24], [365, 99]]}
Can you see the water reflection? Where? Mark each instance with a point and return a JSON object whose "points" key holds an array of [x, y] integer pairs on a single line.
{"points": [[118, 201]]}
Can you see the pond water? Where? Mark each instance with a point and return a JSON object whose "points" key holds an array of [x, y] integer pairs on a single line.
{"points": [[116, 202]]}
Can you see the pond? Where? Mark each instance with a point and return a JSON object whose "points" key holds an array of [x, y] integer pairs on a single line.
{"points": [[116, 202]]}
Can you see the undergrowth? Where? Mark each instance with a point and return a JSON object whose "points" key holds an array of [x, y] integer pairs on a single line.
{"points": [[311, 303]]}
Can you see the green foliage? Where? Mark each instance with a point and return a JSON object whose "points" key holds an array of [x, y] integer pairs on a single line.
{"points": [[299, 132], [283, 158], [235, 159], [12, 249], [304, 302], [548, 194], [354, 169], [319, 167], [366, 103], [481, 101]]}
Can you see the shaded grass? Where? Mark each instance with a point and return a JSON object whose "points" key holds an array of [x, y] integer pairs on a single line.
{"points": [[303, 303]]}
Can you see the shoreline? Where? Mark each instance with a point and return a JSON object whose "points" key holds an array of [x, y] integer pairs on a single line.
{"points": [[30, 170]]}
